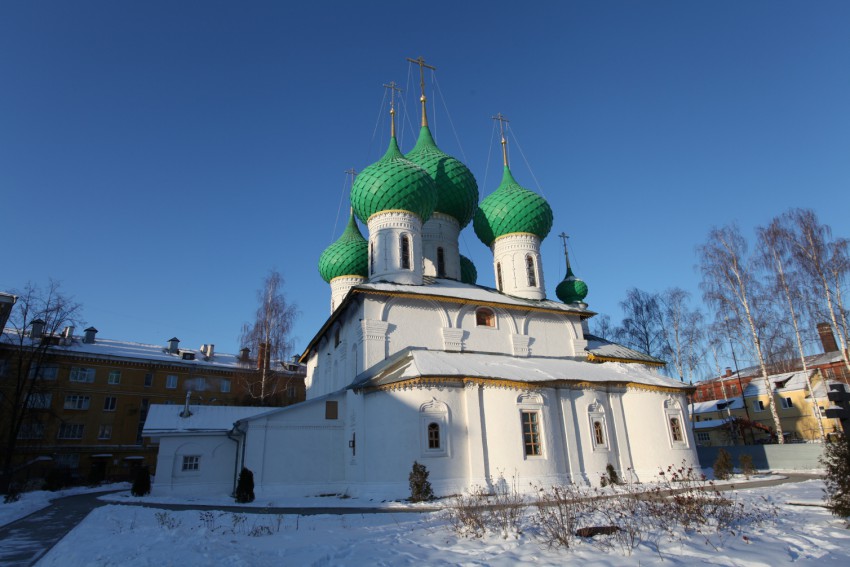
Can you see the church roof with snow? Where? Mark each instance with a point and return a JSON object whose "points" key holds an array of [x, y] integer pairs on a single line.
{"points": [[603, 350], [169, 419], [414, 364]]}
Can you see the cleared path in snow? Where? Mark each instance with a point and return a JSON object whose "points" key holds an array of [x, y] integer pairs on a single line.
{"points": [[25, 541]]}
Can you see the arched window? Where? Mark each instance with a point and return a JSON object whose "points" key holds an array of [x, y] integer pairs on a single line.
{"points": [[529, 270], [676, 430], [404, 243], [485, 317], [433, 435], [598, 433], [371, 258], [441, 263], [499, 276]]}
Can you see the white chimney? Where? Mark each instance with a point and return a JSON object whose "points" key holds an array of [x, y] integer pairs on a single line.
{"points": [[173, 345], [89, 335], [210, 350], [37, 329]]}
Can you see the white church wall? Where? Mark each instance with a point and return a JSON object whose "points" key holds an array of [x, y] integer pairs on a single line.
{"points": [[596, 426], [482, 338], [647, 415], [393, 433], [551, 335], [211, 473], [298, 451], [504, 408], [414, 323]]}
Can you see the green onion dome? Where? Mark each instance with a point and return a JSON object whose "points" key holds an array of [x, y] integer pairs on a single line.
{"points": [[457, 190], [348, 256], [393, 183], [512, 208], [571, 289], [468, 273]]}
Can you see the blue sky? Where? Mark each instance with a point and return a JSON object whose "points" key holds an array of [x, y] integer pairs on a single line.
{"points": [[158, 158]]}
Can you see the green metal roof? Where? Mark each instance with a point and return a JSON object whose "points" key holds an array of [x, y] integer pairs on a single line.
{"points": [[468, 273], [457, 190], [348, 256], [571, 289], [512, 208], [393, 183]]}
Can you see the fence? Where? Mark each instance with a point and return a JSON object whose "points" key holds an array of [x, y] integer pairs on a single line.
{"points": [[791, 456]]}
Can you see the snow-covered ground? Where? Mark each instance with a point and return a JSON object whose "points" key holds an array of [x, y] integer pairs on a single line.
{"points": [[33, 501], [131, 535]]}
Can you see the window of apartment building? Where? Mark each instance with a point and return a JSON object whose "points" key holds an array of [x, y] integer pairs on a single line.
{"points": [[290, 392], [171, 381], [485, 317], [82, 374], [66, 461], [71, 431], [4, 367], [105, 431], [77, 402], [531, 433], [786, 403], [40, 400], [114, 377], [225, 385], [758, 406], [703, 437], [43, 371], [110, 403], [148, 379], [191, 463], [31, 431]]}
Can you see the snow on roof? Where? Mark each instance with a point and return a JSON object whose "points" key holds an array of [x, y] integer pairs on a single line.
{"points": [[709, 424], [412, 363], [717, 405], [785, 382], [110, 348], [166, 418], [604, 348], [469, 292]]}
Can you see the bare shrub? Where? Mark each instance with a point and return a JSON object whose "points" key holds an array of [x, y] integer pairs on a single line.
{"points": [[559, 511], [466, 513], [723, 465], [167, 521], [505, 507]]}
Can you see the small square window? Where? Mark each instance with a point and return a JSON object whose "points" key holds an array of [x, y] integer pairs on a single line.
{"points": [[114, 377], [191, 463], [331, 410], [485, 317], [80, 374], [171, 381], [758, 406], [225, 385], [148, 379], [787, 403], [703, 437], [77, 402], [109, 403]]}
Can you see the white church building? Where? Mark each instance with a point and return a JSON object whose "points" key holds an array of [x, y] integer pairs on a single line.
{"points": [[418, 363]]}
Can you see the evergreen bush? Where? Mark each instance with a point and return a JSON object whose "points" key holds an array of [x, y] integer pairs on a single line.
{"points": [[141, 482], [420, 487], [723, 465], [245, 487], [613, 477], [746, 462], [836, 461]]}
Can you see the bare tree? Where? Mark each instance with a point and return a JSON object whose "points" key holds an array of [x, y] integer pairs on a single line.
{"points": [[642, 325], [774, 245], [682, 331], [33, 328], [268, 336], [601, 327], [824, 263], [729, 284]]}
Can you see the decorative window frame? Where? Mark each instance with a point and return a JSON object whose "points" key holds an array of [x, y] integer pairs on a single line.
{"points": [[596, 414], [532, 402], [434, 412], [673, 410]]}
